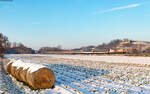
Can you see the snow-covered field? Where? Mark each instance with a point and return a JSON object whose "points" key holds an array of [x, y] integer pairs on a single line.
{"points": [[77, 74]]}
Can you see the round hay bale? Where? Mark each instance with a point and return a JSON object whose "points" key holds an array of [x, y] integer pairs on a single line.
{"points": [[8, 67], [23, 74], [13, 71], [36, 76], [18, 73], [40, 79]]}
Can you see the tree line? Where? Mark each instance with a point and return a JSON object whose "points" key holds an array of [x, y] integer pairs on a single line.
{"points": [[50, 49], [8, 47]]}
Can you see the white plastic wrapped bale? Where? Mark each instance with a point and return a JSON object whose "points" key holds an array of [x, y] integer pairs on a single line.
{"points": [[36, 76]]}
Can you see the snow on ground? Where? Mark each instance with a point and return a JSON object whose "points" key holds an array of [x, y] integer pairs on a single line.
{"points": [[7, 86], [76, 74], [109, 59]]}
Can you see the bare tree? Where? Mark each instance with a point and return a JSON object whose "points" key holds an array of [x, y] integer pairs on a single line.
{"points": [[8, 45], [3, 43], [14, 44], [20, 45]]}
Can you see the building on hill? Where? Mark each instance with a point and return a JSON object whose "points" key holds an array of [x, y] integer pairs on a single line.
{"points": [[134, 47]]}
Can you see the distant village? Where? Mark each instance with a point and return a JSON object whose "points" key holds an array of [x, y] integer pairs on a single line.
{"points": [[116, 46]]}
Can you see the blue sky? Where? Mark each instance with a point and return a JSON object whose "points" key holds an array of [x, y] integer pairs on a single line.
{"points": [[74, 23]]}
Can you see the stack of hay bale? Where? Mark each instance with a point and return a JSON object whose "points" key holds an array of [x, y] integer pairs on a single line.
{"points": [[36, 76]]}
